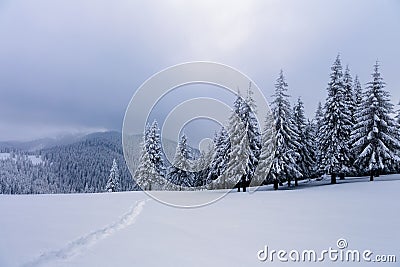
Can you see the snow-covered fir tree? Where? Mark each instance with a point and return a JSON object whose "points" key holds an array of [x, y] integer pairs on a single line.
{"points": [[319, 116], [113, 178], [358, 101], [253, 132], [202, 167], [303, 146], [358, 97], [246, 109], [154, 148], [284, 167], [375, 136], [221, 155], [267, 150], [398, 114], [146, 175], [349, 94], [316, 129], [311, 136], [336, 127], [179, 174], [237, 168], [349, 98]]}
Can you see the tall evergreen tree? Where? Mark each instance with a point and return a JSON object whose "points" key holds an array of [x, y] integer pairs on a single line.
{"points": [[238, 165], [319, 116], [246, 110], [146, 174], [303, 146], [358, 101], [311, 136], [180, 175], [349, 98], [284, 167], [202, 167], [349, 94], [113, 178], [267, 150], [220, 156], [375, 136], [154, 148], [358, 96], [336, 127], [253, 133], [316, 129]]}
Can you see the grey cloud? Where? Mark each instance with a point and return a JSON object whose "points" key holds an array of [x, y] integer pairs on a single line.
{"points": [[76, 64]]}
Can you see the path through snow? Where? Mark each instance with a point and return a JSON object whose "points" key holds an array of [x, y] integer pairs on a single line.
{"points": [[79, 245]]}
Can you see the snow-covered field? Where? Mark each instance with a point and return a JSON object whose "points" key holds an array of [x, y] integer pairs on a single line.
{"points": [[128, 229]]}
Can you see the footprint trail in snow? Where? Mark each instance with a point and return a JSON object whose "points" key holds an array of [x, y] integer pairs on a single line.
{"points": [[79, 245]]}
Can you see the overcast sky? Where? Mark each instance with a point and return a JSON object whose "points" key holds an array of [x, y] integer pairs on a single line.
{"points": [[73, 65]]}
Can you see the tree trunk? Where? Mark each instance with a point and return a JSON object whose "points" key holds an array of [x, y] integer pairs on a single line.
{"points": [[333, 178], [244, 183], [342, 176], [296, 182], [371, 177], [276, 184], [238, 186], [289, 183]]}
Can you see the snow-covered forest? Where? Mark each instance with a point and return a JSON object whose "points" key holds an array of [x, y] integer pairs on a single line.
{"points": [[354, 132]]}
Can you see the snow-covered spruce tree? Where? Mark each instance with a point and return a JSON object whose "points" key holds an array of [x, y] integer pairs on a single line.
{"points": [[284, 167], [317, 126], [113, 178], [349, 97], [153, 146], [202, 168], [398, 114], [375, 135], [398, 132], [267, 150], [246, 109], [358, 96], [179, 174], [253, 132], [146, 175], [358, 100], [311, 136], [349, 94], [303, 146], [220, 157], [237, 169], [336, 127]]}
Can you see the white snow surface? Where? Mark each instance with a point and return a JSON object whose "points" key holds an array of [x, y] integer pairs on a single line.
{"points": [[128, 229]]}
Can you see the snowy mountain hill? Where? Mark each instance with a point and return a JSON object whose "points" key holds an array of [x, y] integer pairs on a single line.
{"points": [[127, 229], [38, 144], [67, 167]]}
